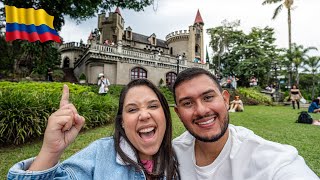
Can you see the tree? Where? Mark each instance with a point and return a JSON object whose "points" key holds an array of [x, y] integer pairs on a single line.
{"points": [[288, 4], [37, 57], [313, 64], [244, 55], [298, 56], [77, 10], [221, 40], [2, 23]]}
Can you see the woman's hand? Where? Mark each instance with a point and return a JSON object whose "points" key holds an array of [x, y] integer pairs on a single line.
{"points": [[63, 127]]}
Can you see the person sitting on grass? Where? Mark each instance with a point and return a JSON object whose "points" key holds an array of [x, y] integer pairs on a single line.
{"points": [[236, 105], [314, 106], [305, 118], [139, 149]]}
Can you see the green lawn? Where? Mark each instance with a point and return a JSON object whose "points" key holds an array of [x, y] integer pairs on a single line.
{"points": [[273, 123]]}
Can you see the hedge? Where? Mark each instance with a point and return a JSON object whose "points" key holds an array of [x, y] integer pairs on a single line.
{"points": [[26, 106]]}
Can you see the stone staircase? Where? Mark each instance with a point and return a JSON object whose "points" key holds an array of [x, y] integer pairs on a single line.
{"points": [[69, 76]]}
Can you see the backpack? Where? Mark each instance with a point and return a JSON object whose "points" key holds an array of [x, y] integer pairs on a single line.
{"points": [[304, 117]]}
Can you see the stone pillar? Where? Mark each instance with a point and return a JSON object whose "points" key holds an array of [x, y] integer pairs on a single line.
{"points": [[119, 47]]}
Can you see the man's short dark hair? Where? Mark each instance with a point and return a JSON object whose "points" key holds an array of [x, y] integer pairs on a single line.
{"points": [[191, 73]]}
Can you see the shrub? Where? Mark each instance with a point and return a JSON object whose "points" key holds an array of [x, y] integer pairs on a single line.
{"points": [[82, 77], [26, 106], [58, 75], [167, 94], [253, 96]]}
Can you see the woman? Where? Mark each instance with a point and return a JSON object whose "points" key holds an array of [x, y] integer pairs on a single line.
{"points": [[103, 83], [314, 106], [140, 148], [236, 105], [295, 96]]}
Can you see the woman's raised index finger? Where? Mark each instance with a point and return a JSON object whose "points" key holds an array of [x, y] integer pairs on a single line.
{"points": [[65, 96]]}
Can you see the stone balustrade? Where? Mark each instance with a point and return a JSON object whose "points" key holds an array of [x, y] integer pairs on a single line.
{"points": [[72, 45], [103, 48], [135, 56]]}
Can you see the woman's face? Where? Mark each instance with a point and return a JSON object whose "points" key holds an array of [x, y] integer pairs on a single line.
{"points": [[143, 120]]}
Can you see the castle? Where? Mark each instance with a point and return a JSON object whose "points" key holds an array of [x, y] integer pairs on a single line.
{"points": [[122, 54]]}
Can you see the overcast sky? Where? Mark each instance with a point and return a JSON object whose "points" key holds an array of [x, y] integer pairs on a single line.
{"points": [[173, 15]]}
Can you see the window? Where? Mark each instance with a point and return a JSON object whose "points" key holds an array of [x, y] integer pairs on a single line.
{"points": [[138, 73], [129, 35], [197, 48], [171, 78], [66, 63], [153, 41]]}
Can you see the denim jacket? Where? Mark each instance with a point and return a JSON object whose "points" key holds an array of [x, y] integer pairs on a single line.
{"points": [[97, 161]]}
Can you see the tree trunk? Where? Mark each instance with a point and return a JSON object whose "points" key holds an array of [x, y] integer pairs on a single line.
{"points": [[312, 94], [290, 53]]}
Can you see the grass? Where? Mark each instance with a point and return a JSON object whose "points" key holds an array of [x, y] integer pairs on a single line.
{"points": [[275, 123]]}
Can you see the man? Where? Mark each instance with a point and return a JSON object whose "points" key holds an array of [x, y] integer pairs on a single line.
{"points": [[213, 149]]}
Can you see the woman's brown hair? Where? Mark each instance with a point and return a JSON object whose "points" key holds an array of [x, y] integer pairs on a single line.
{"points": [[165, 159]]}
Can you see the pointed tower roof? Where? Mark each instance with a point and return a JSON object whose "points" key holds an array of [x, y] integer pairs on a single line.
{"points": [[198, 18], [117, 11]]}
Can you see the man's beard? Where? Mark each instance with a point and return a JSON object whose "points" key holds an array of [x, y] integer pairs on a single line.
{"points": [[214, 138]]}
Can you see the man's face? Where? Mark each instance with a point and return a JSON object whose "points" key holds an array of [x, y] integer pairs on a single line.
{"points": [[202, 108]]}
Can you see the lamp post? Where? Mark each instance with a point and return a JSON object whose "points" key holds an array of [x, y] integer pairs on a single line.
{"points": [[179, 58], [275, 68], [276, 95]]}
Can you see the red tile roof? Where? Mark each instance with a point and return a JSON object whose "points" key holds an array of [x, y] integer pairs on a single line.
{"points": [[117, 11], [198, 18]]}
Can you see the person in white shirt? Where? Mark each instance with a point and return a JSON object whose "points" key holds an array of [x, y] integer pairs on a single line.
{"points": [[214, 149], [104, 84], [236, 105]]}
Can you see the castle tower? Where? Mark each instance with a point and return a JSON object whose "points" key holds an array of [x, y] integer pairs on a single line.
{"points": [[188, 43], [111, 28], [195, 45]]}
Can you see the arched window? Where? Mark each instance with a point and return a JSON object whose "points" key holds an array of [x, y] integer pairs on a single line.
{"points": [[171, 51], [197, 49], [66, 62], [170, 78], [138, 73]]}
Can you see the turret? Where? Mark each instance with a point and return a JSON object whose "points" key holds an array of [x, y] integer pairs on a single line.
{"points": [[196, 39], [112, 27]]}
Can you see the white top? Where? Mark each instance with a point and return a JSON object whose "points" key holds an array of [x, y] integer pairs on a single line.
{"points": [[245, 156], [102, 83]]}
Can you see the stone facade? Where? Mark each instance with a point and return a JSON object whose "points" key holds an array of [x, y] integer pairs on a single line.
{"points": [[123, 55]]}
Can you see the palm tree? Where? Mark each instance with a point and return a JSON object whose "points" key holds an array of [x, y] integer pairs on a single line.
{"points": [[299, 56], [288, 4], [220, 40], [313, 64]]}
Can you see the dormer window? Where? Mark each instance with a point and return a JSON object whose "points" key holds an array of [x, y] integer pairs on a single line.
{"points": [[153, 40], [129, 33]]}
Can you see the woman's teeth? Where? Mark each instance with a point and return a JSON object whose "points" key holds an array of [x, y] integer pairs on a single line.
{"points": [[146, 130]]}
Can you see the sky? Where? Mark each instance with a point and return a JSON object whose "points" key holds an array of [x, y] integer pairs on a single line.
{"points": [[166, 16]]}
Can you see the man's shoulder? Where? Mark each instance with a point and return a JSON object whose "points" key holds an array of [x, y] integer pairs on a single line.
{"points": [[185, 139], [245, 139]]}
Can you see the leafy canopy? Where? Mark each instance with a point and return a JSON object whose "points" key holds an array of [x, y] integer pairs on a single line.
{"points": [[76, 9]]}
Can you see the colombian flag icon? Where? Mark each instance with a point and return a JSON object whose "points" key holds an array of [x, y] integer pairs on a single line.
{"points": [[29, 24]]}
